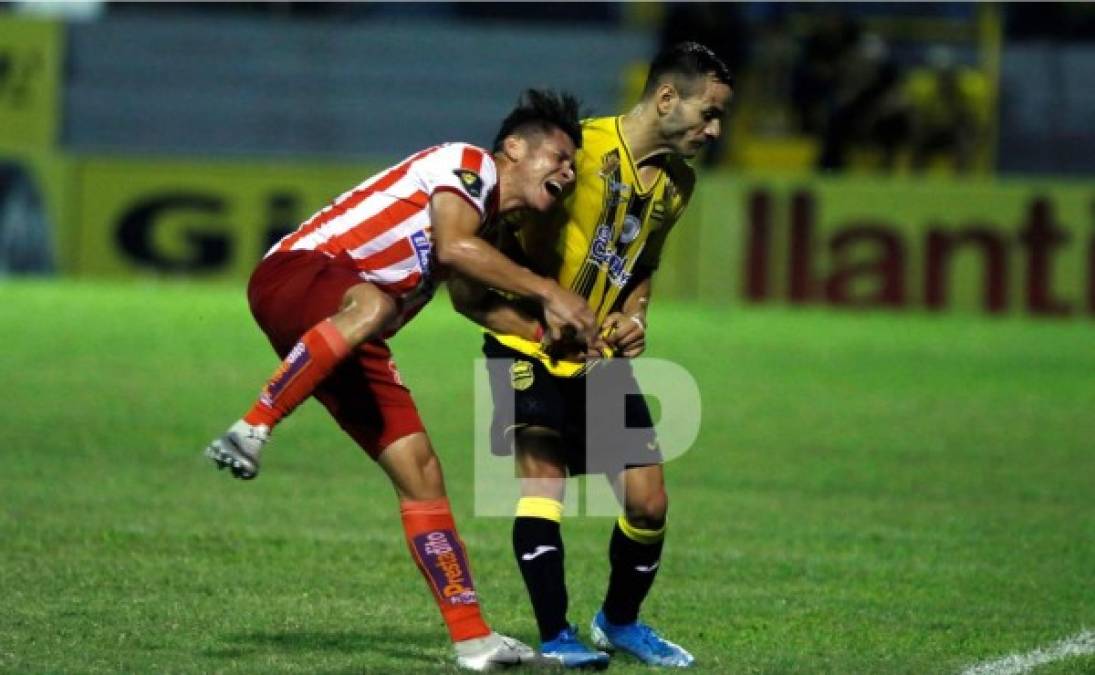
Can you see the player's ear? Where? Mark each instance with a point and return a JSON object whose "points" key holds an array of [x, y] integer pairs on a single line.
{"points": [[514, 147], [665, 97]]}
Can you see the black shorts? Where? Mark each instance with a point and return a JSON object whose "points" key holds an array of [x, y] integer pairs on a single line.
{"points": [[602, 416]]}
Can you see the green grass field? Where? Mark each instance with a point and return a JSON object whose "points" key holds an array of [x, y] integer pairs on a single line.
{"points": [[869, 494]]}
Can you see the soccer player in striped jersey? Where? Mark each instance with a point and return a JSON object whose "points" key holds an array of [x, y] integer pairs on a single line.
{"points": [[633, 184], [329, 294]]}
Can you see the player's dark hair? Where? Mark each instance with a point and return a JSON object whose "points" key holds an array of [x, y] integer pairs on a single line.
{"points": [[682, 63], [541, 110]]}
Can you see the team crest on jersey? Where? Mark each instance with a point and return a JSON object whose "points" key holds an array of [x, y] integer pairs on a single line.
{"points": [[632, 225], [471, 181], [521, 375]]}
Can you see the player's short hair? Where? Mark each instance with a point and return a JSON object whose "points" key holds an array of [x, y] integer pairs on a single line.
{"points": [[541, 110], [682, 63]]}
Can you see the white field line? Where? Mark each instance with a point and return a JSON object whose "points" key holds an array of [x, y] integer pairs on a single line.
{"points": [[1078, 645]]}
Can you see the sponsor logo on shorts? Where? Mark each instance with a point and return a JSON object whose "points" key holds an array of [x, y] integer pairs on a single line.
{"points": [[471, 182], [443, 557], [521, 375]]}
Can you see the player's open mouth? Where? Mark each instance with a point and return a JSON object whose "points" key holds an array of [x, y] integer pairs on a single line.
{"points": [[553, 188]]}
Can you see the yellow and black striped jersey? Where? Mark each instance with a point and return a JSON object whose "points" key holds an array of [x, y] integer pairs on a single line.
{"points": [[611, 225]]}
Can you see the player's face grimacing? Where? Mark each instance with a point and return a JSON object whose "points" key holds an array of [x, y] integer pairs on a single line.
{"points": [[549, 169], [696, 120]]}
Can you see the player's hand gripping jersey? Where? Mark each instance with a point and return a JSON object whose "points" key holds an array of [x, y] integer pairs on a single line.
{"points": [[383, 224], [613, 226]]}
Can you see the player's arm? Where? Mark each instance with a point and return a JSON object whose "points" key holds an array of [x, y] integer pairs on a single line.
{"points": [[490, 310], [625, 331], [455, 223]]}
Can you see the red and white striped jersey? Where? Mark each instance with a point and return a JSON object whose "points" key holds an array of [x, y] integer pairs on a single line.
{"points": [[383, 224]]}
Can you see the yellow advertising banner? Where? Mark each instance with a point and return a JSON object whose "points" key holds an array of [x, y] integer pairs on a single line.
{"points": [[993, 246], [30, 67], [998, 246], [207, 220]]}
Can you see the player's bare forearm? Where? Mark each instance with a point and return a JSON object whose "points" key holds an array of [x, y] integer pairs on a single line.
{"points": [[457, 247], [638, 299], [477, 259], [510, 321], [490, 310], [624, 331], [455, 224]]}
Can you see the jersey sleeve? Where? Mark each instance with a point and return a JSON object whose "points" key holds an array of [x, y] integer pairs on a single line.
{"points": [[465, 170], [678, 194]]}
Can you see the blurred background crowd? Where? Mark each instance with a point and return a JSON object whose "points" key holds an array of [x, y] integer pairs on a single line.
{"points": [[868, 87]]}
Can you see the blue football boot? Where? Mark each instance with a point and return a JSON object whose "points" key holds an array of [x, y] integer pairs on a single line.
{"points": [[568, 650], [639, 640]]}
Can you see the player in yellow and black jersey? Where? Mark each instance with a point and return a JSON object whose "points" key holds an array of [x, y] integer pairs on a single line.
{"points": [[608, 241], [633, 184]]}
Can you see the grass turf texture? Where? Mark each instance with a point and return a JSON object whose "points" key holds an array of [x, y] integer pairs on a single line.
{"points": [[869, 493]]}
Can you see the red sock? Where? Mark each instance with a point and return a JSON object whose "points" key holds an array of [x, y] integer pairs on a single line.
{"points": [[439, 554], [309, 362]]}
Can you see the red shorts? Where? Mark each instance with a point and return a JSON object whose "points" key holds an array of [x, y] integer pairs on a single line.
{"points": [[291, 292]]}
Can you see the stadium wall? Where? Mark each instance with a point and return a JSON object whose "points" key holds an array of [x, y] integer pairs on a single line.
{"points": [[995, 246]]}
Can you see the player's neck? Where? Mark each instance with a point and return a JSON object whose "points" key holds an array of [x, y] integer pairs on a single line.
{"points": [[639, 129], [508, 200]]}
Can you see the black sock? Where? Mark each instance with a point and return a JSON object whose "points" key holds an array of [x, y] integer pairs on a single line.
{"points": [[538, 548], [634, 566]]}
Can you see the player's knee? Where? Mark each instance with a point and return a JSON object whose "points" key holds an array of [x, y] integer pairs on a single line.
{"points": [[364, 313], [429, 468], [648, 511], [413, 467], [424, 480]]}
